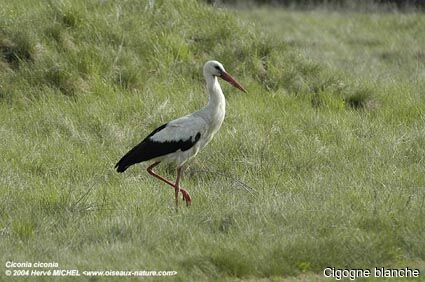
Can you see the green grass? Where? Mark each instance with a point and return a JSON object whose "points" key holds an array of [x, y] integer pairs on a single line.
{"points": [[332, 149]]}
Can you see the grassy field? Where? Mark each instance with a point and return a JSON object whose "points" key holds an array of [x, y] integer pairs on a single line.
{"points": [[320, 164]]}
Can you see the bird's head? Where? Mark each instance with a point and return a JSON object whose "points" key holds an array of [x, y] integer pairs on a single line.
{"points": [[215, 68]]}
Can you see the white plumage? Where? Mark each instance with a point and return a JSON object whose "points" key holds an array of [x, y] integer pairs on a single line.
{"points": [[181, 139], [184, 128]]}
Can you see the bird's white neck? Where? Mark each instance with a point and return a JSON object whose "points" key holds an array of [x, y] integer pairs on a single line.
{"points": [[216, 98], [215, 110]]}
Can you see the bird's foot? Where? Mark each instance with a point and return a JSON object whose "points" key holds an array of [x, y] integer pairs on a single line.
{"points": [[186, 197]]}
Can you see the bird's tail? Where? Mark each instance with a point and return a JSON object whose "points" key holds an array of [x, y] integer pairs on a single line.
{"points": [[122, 165], [136, 155]]}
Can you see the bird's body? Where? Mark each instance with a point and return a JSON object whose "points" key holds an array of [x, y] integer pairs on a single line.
{"points": [[181, 139]]}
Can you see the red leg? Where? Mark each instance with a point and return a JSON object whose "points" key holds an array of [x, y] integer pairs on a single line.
{"points": [[186, 195], [153, 173]]}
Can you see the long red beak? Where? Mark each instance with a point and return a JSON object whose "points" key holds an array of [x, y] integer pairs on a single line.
{"points": [[227, 77]]}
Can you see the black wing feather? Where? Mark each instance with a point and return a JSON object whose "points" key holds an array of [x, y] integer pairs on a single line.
{"points": [[148, 149]]}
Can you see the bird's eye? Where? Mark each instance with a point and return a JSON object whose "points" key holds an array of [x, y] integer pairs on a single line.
{"points": [[220, 71]]}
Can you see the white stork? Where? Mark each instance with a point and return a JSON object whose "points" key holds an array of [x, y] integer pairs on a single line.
{"points": [[181, 139]]}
